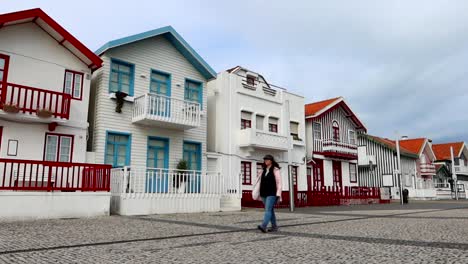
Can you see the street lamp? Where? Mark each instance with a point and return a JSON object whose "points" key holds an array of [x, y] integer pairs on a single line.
{"points": [[454, 175], [399, 167]]}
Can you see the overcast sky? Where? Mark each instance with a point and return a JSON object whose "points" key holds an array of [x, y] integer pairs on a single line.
{"points": [[401, 65]]}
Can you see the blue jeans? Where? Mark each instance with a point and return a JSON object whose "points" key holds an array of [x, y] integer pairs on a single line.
{"points": [[269, 215]]}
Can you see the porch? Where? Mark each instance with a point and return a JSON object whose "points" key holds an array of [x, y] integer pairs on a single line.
{"points": [[142, 191]]}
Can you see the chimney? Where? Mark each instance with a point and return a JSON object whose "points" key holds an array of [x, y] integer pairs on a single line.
{"points": [[404, 137]]}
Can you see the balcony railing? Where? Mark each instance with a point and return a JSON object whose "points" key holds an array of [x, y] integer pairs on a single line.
{"points": [[15, 98], [159, 110], [339, 149], [427, 168], [34, 175], [366, 161], [251, 137], [461, 170]]}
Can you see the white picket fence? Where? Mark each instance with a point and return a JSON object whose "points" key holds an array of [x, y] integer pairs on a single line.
{"points": [[140, 190]]}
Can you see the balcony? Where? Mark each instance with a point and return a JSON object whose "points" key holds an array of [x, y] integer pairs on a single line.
{"points": [[331, 148], [257, 139], [427, 169], [366, 160], [461, 170], [33, 104], [162, 111]]}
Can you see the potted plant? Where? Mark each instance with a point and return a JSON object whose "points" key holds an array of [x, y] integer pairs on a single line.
{"points": [[44, 113], [119, 96], [10, 108], [180, 176]]}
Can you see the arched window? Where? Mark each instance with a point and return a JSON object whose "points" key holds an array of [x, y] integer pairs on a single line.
{"points": [[336, 131]]}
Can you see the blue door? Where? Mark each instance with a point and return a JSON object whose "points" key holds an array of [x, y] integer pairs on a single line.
{"points": [[160, 85], [157, 164], [192, 154]]}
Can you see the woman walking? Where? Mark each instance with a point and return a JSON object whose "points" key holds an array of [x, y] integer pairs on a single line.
{"points": [[268, 189]]}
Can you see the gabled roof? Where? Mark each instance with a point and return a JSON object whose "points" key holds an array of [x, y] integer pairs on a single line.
{"points": [[442, 151], [50, 26], [170, 34], [315, 110], [391, 145], [414, 145]]}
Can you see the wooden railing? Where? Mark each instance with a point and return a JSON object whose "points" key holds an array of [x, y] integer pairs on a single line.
{"points": [[24, 99], [33, 175]]}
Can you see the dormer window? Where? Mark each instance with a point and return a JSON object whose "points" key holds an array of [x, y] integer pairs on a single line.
{"points": [[336, 131], [251, 80]]}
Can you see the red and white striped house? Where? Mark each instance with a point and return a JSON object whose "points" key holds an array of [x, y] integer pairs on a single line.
{"points": [[443, 180], [44, 97]]}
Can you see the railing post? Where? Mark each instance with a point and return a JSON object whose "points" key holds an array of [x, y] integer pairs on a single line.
{"points": [[49, 179]]}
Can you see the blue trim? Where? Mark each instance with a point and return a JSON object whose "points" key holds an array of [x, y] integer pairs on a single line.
{"points": [[128, 150], [199, 163], [132, 74], [166, 150], [172, 36], [200, 90], [168, 83], [156, 182]]}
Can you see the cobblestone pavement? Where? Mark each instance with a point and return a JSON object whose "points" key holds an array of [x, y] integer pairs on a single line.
{"points": [[421, 232]]}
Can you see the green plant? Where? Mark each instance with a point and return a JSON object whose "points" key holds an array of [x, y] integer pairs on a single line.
{"points": [[180, 173], [182, 165]]}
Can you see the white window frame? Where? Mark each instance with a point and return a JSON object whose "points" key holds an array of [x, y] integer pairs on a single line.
{"points": [[350, 131], [58, 149], [313, 130], [71, 90]]}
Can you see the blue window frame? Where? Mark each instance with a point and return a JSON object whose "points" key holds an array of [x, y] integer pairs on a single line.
{"points": [[194, 91], [157, 162], [192, 154], [160, 83], [117, 152], [122, 77]]}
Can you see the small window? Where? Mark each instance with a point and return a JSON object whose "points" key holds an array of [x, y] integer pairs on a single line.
{"points": [[246, 170], [273, 124], [58, 148], [251, 80], [160, 83], [294, 130], [193, 91], [246, 120], [352, 137], [122, 77], [260, 120], [73, 84], [336, 131], [117, 149], [352, 173], [317, 127]]}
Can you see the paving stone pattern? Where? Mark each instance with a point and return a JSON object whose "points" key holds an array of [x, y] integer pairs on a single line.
{"points": [[421, 232]]}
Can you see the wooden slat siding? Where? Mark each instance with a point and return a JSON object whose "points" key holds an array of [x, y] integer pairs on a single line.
{"points": [[327, 131], [158, 54], [386, 164]]}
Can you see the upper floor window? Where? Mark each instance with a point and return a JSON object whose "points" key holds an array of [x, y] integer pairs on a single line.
{"points": [[251, 80], [73, 84], [58, 147], [336, 131], [294, 130], [193, 91], [317, 128], [160, 83], [121, 77], [352, 137], [273, 124], [4, 59], [246, 120], [260, 119], [352, 173]]}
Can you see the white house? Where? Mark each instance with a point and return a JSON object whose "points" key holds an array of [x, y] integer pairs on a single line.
{"points": [[149, 112], [331, 136], [45, 77], [249, 118]]}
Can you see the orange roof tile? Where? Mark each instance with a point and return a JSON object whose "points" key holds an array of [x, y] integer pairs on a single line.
{"points": [[413, 145], [313, 108], [392, 144], [442, 151]]}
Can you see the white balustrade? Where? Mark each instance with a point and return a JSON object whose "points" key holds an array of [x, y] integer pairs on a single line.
{"points": [[251, 137], [339, 147]]}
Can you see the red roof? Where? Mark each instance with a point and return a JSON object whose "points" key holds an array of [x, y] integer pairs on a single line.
{"points": [[315, 110], [414, 145], [442, 151], [392, 145], [42, 20]]}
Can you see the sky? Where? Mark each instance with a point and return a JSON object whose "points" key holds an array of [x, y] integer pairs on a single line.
{"points": [[402, 66]]}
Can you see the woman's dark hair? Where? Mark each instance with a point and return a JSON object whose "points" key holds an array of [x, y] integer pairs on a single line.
{"points": [[274, 164]]}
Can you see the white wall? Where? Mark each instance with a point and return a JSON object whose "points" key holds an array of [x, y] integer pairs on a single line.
{"points": [[158, 54]]}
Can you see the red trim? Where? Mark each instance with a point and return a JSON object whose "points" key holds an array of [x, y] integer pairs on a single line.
{"points": [[38, 13], [337, 155], [5, 77], [246, 168], [73, 83], [58, 144], [1, 135], [318, 170], [245, 123], [348, 111]]}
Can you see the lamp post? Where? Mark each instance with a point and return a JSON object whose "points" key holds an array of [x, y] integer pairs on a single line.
{"points": [[454, 175], [290, 178], [399, 167]]}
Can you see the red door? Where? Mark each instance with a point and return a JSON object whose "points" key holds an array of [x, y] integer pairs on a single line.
{"points": [[318, 174], [4, 61], [309, 179], [337, 177]]}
